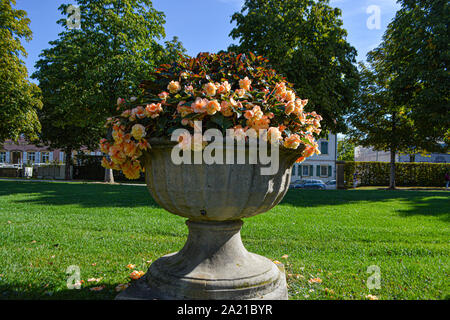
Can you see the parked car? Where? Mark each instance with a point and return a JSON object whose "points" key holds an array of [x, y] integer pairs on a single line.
{"points": [[293, 184], [331, 185], [310, 184]]}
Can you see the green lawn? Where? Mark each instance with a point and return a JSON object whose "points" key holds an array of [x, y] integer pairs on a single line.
{"points": [[331, 235]]}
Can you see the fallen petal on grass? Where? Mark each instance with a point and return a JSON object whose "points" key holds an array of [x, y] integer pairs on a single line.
{"points": [[100, 288], [329, 291], [315, 280], [136, 275], [122, 286]]}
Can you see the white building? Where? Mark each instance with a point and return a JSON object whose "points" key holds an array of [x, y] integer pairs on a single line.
{"points": [[322, 166], [368, 154], [433, 158]]}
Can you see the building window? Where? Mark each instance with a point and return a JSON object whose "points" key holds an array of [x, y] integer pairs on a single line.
{"points": [[31, 157], [2, 157], [305, 171], [45, 157], [324, 171], [324, 147]]}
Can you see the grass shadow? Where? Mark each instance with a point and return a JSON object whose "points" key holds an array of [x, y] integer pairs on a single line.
{"points": [[21, 291], [427, 203], [82, 194]]}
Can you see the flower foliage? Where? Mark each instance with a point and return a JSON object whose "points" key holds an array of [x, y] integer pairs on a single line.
{"points": [[224, 91]]}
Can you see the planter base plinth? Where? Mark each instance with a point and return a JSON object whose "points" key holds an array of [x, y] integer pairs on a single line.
{"points": [[213, 264]]}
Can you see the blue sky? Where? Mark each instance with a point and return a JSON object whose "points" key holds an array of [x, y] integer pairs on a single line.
{"points": [[204, 25]]}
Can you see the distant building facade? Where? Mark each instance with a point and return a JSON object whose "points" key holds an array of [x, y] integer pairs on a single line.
{"points": [[16, 154], [432, 158], [21, 152], [368, 154], [322, 166]]}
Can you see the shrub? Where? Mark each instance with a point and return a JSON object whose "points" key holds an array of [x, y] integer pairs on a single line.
{"points": [[407, 174]]}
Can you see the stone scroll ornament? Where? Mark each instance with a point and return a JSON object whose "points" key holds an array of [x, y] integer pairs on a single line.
{"points": [[165, 133]]}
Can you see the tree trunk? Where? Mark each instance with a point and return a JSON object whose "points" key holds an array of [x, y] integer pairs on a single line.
{"points": [[412, 157], [109, 177], [392, 175], [68, 163]]}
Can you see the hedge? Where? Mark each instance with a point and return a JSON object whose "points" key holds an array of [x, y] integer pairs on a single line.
{"points": [[407, 174]]}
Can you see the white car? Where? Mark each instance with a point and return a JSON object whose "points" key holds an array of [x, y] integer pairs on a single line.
{"points": [[331, 185]]}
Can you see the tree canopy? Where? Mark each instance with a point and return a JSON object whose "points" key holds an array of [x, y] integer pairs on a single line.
{"points": [[305, 41], [85, 70], [403, 101], [19, 98], [417, 55]]}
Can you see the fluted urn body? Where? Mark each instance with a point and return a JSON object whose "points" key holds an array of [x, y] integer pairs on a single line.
{"points": [[214, 264], [217, 192]]}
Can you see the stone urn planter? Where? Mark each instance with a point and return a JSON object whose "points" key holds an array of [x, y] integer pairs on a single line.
{"points": [[214, 263]]}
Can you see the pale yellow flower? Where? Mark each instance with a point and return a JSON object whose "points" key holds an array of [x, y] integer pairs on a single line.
{"points": [[240, 93], [174, 87], [138, 112], [245, 83], [199, 106], [153, 110], [292, 142], [138, 131], [274, 135], [290, 107], [225, 109], [212, 107], [224, 88], [210, 89], [289, 95]]}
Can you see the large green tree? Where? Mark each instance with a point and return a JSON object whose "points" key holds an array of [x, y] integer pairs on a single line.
{"points": [[68, 119], [379, 122], [403, 101], [417, 50], [19, 98], [87, 69], [305, 41]]}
